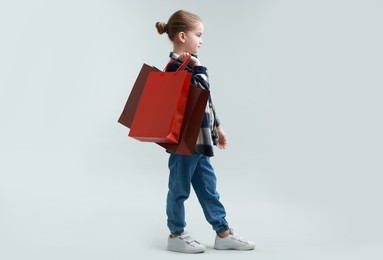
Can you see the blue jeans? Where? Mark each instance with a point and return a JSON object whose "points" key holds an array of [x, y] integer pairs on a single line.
{"points": [[197, 171]]}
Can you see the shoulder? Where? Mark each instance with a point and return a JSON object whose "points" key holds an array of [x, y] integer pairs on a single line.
{"points": [[200, 70], [174, 65]]}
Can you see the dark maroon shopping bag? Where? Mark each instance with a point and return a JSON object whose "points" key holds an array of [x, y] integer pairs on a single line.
{"points": [[127, 115]]}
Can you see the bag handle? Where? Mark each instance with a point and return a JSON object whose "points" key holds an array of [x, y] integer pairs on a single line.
{"points": [[183, 65]]}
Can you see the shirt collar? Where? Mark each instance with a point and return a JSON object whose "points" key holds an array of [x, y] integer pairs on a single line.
{"points": [[175, 56]]}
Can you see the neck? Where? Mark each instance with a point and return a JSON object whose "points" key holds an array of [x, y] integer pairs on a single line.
{"points": [[179, 51], [179, 48]]}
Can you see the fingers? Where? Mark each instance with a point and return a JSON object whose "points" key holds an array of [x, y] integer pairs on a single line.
{"points": [[183, 56], [222, 145], [193, 60]]}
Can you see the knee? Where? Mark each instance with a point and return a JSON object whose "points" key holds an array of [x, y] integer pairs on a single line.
{"points": [[179, 194]]}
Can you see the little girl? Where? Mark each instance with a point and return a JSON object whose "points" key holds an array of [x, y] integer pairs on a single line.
{"points": [[185, 31]]}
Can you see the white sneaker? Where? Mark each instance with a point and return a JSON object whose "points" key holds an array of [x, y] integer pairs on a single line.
{"points": [[233, 242], [184, 243]]}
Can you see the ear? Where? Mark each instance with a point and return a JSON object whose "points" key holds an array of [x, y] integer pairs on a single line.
{"points": [[182, 37]]}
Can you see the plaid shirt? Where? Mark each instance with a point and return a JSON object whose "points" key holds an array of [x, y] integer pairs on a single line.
{"points": [[208, 135]]}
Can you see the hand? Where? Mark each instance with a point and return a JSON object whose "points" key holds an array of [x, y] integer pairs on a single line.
{"points": [[222, 141], [192, 62]]}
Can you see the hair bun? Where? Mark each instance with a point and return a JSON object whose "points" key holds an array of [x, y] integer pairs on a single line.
{"points": [[161, 27]]}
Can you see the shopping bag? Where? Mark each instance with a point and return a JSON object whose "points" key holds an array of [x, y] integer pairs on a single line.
{"points": [[127, 115], [194, 112], [160, 111]]}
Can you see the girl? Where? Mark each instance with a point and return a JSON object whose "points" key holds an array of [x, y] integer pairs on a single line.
{"points": [[185, 31]]}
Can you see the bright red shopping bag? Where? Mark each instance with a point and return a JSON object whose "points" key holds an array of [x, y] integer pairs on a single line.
{"points": [[160, 112], [191, 126]]}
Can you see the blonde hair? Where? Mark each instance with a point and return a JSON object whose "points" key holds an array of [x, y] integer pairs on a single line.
{"points": [[180, 21]]}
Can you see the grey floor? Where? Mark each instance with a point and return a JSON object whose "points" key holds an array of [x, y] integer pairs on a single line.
{"points": [[111, 210]]}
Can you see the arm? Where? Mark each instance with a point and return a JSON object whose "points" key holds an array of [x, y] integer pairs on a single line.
{"points": [[222, 141], [200, 78]]}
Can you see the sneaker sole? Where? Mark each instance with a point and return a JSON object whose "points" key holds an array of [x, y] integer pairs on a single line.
{"points": [[197, 251], [233, 248]]}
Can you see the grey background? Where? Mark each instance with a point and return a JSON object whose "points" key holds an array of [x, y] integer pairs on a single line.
{"points": [[297, 85]]}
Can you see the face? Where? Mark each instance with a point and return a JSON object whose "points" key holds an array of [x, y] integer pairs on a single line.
{"points": [[193, 38]]}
